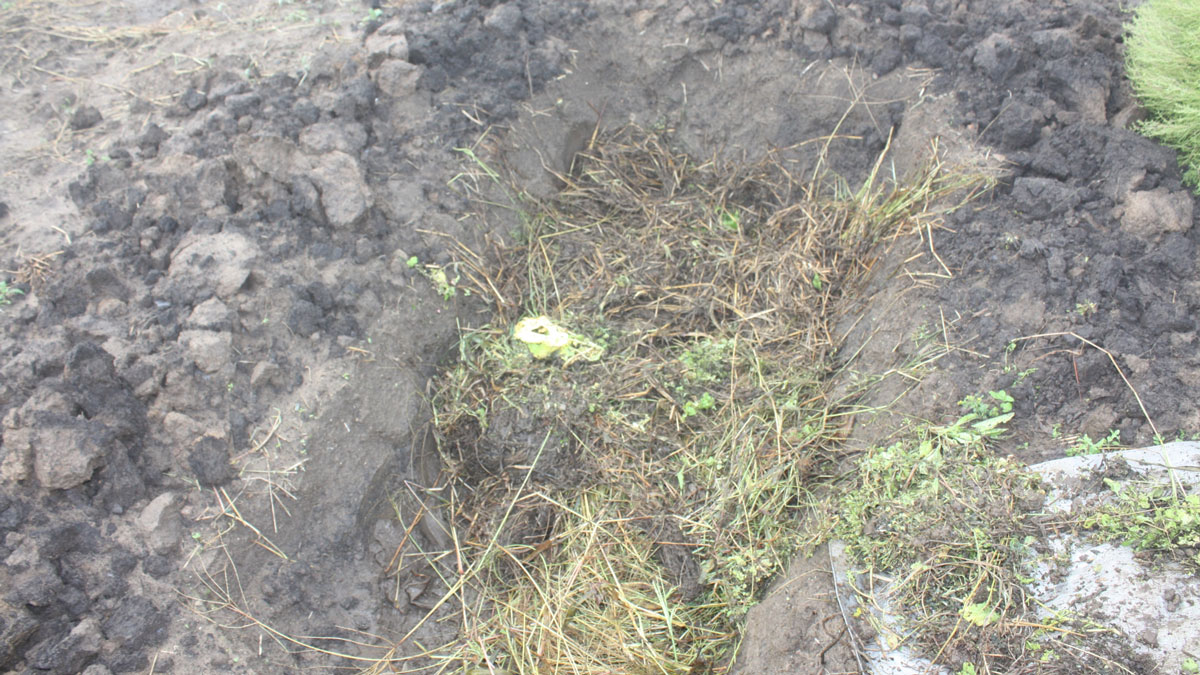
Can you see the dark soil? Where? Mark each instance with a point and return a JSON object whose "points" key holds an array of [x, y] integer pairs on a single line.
{"points": [[230, 334]]}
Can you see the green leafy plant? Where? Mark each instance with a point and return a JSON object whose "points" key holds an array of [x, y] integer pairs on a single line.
{"points": [[730, 220], [695, 407], [7, 292], [1086, 446], [445, 285], [1149, 518], [1162, 57], [707, 360], [996, 403]]}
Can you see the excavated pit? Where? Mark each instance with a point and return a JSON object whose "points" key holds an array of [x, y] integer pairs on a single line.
{"points": [[216, 380]]}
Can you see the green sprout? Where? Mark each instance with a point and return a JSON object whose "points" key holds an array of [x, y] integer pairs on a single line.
{"points": [[7, 292]]}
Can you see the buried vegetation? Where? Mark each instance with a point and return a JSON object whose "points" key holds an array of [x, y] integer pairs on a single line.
{"points": [[627, 471]]}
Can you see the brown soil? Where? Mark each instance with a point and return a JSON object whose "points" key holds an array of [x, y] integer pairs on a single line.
{"points": [[214, 382]]}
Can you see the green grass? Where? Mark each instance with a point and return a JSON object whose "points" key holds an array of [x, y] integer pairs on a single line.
{"points": [[1163, 64]]}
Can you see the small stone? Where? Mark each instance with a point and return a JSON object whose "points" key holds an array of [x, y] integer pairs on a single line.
{"points": [[818, 17], [1171, 598], [134, 620], [220, 261], [67, 455], [344, 193], [70, 653], [915, 14], [111, 308], [17, 464], [160, 523], [181, 429], [1044, 197], [996, 56], [271, 155], [157, 566], [17, 626], [323, 137], [389, 42], [151, 139], [886, 61], [243, 104], [304, 318], [153, 514]]}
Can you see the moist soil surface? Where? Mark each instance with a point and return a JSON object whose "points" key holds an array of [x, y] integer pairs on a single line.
{"points": [[222, 222]]}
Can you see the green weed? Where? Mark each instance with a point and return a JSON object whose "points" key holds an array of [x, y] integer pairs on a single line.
{"points": [[1084, 445], [1150, 518], [445, 285], [1000, 402], [947, 523]]}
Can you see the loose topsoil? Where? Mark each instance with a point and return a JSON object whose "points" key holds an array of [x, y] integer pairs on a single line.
{"points": [[223, 225]]}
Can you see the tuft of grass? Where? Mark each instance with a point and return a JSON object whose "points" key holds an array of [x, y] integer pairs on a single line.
{"points": [[1163, 64]]}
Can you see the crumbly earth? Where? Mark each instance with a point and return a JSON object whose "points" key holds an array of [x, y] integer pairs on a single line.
{"points": [[213, 384]]}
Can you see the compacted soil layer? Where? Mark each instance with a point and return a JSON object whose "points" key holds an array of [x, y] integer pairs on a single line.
{"points": [[213, 379]]}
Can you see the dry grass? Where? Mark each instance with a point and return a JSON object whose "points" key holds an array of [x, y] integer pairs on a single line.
{"points": [[621, 515]]}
